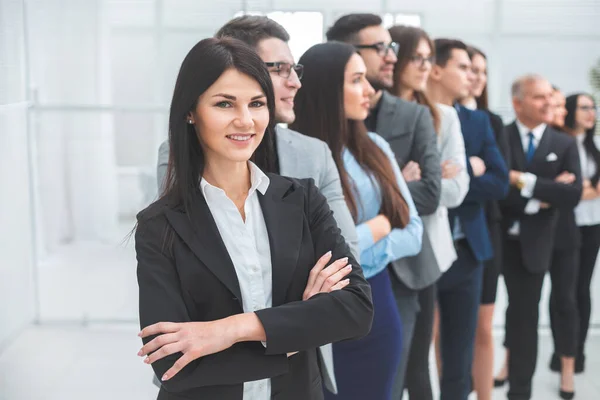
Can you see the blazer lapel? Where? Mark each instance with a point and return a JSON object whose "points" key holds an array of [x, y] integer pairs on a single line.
{"points": [[385, 118], [516, 147], [199, 231], [283, 210]]}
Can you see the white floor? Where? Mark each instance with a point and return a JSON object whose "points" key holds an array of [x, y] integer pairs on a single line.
{"points": [[64, 362]]}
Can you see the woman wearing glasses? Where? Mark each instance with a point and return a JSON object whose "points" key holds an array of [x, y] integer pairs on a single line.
{"points": [[580, 122], [332, 106], [226, 257], [410, 79]]}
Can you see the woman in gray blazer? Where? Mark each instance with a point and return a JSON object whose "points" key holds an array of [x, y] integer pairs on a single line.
{"points": [[410, 80]]}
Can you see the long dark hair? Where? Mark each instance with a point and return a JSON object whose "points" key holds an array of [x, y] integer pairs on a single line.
{"points": [[588, 141], [201, 68], [319, 107], [482, 101], [408, 37]]}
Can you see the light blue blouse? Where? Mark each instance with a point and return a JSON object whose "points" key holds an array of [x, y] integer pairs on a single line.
{"points": [[374, 257]]}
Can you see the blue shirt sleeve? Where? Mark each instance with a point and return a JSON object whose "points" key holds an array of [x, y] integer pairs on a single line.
{"points": [[400, 243]]}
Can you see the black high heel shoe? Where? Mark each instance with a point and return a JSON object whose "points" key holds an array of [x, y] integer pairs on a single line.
{"points": [[566, 395], [499, 382]]}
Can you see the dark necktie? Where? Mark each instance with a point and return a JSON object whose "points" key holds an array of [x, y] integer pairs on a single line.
{"points": [[530, 148]]}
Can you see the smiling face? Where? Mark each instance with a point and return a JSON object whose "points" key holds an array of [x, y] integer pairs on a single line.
{"points": [[276, 50], [357, 89], [230, 118]]}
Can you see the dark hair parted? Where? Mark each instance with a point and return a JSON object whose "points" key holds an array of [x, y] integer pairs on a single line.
{"points": [[319, 107], [588, 142], [251, 29], [346, 28], [201, 68], [409, 37], [482, 101], [443, 50]]}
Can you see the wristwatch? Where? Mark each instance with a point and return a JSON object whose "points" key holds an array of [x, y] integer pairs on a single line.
{"points": [[521, 182]]}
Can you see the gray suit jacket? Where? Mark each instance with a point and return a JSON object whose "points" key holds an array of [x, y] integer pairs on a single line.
{"points": [[302, 156], [408, 128]]}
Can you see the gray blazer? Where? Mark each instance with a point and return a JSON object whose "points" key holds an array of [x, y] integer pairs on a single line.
{"points": [[302, 156], [408, 128]]}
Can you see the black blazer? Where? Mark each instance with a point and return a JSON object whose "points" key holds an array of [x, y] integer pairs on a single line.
{"points": [[537, 232], [185, 274]]}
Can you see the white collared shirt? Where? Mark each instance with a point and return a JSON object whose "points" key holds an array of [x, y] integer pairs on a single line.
{"points": [[533, 205], [587, 212], [248, 246]]}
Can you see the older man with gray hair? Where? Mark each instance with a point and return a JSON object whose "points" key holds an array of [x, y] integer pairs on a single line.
{"points": [[545, 177]]}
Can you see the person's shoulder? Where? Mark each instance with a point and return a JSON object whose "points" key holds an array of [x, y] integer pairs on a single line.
{"points": [[297, 139], [154, 211], [562, 139], [409, 107], [380, 142]]}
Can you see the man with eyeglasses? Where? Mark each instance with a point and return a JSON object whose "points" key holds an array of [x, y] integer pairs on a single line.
{"points": [[408, 127], [299, 156]]}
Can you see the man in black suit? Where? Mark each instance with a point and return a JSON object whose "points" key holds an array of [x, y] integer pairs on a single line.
{"points": [[543, 165]]}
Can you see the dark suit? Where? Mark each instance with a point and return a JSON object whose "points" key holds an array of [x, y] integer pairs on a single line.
{"points": [[408, 128], [459, 289], [185, 274], [528, 256], [494, 220]]}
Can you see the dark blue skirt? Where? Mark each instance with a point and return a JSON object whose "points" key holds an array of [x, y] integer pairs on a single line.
{"points": [[365, 368]]}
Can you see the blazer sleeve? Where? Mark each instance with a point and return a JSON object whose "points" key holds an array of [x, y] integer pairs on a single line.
{"points": [[331, 187], [493, 185], [454, 190], [399, 243], [558, 194], [426, 191], [325, 317], [160, 299], [161, 167]]}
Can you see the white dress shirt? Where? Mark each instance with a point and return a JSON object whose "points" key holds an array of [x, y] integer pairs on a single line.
{"points": [[248, 246], [587, 212], [533, 205]]}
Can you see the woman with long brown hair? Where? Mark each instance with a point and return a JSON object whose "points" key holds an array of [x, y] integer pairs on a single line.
{"points": [[226, 257], [410, 80], [332, 106]]}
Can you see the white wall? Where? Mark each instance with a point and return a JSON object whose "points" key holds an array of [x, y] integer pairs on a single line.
{"points": [[16, 264]]}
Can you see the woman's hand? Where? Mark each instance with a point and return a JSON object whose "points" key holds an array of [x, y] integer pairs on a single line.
{"points": [[324, 279], [450, 169], [380, 227], [411, 172], [193, 339]]}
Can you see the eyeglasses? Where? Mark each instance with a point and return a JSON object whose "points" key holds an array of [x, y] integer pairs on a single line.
{"points": [[381, 48], [587, 108], [284, 69], [419, 60]]}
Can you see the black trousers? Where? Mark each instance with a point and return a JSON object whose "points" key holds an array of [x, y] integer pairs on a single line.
{"points": [[564, 317], [586, 261], [418, 381], [524, 291]]}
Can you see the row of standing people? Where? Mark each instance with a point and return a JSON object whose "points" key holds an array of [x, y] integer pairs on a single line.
{"points": [[432, 166]]}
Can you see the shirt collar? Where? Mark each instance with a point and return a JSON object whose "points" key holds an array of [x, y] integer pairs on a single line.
{"points": [[538, 131], [258, 181]]}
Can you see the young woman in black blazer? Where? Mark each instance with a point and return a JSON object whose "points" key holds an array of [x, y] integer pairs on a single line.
{"points": [[235, 291]]}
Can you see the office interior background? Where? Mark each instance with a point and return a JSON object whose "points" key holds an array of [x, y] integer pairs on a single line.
{"points": [[85, 87]]}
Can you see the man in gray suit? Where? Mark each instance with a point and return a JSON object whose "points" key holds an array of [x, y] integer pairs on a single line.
{"points": [[408, 127], [299, 156]]}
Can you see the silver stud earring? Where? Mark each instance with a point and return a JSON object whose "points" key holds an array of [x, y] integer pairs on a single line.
{"points": [[190, 121]]}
